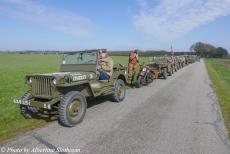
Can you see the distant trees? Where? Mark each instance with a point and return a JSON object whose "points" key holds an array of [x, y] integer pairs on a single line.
{"points": [[208, 50], [220, 52]]}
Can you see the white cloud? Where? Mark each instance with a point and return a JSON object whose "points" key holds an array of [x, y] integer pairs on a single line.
{"points": [[171, 19], [60, 20]]}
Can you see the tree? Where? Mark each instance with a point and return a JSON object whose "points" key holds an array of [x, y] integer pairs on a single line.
{"points": [[208, 50], [221, 52]]}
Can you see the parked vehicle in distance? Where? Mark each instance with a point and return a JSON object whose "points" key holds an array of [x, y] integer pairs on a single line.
{"points": [[160, 66], [191, 59], [182, 60], [172, 61]]}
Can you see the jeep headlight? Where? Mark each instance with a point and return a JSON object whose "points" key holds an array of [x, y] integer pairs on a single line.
{"points": [[29, 80], [54, 81]]}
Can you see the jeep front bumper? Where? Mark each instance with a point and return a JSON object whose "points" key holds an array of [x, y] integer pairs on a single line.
{"points": [[37, 104]]}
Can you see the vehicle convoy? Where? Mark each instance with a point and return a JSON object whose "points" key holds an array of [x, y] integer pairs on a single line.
{"points": [[64, 93], [160, 67]]}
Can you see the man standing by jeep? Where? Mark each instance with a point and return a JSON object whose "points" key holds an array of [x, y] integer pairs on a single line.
{"points": [[105, 65], [133, 60]]}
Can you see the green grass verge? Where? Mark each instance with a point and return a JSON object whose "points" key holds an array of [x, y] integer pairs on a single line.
{"points": [[219, 73], [13, 68]]}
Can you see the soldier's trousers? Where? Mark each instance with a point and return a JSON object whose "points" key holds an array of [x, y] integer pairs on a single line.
{"points": [[131, 70]]}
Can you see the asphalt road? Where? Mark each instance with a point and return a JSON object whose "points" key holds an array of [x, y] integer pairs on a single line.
{"points": [[174, 116]]}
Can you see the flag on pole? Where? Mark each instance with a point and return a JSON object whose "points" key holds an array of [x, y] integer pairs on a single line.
{"points": [[172, 51]]}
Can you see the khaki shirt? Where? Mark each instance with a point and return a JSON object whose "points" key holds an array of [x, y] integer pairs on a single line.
{"points": [[106, 65]]}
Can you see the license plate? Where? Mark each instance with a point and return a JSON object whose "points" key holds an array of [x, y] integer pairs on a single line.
{"points": [[22, 102]]}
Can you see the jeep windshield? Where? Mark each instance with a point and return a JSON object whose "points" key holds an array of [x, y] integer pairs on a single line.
{"points": [[80, 58]]}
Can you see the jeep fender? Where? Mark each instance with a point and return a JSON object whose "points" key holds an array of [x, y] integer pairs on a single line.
{"points": [[122, 77], [84, 88]]}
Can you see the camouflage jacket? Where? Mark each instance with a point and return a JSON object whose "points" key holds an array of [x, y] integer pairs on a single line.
{"points": [[106, 65]]}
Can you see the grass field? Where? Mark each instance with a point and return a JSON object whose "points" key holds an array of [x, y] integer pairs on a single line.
{"points": [[13, 68], [219, 73]]}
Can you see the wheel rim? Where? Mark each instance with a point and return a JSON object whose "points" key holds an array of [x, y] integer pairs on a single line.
{"points": [[75, 108]]}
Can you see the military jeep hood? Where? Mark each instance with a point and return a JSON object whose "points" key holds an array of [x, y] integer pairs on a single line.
{"points": [[73, 76]]}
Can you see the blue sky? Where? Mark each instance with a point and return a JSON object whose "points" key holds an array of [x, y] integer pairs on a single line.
{"points": [[115, 25]]}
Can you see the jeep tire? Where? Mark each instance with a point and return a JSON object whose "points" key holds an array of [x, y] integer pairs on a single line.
{"points": [[72, 108], [165, 73], [27, 111], [119, 91], [170, 72], [139, 82]]}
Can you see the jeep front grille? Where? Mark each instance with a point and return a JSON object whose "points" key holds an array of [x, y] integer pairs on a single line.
{"points": [[41, 87]]}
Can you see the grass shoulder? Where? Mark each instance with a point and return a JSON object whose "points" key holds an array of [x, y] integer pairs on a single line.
{"points": [[219, 73]]}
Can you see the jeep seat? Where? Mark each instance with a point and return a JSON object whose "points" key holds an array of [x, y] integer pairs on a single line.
{"points": [[118, 67]]}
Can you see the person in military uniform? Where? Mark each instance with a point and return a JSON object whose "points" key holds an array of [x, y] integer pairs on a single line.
{"points": [[133, 60], [105, 65]]}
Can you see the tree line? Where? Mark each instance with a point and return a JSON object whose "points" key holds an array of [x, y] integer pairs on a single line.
{"points": [[208, 51], [145, 53], [199, 48]]}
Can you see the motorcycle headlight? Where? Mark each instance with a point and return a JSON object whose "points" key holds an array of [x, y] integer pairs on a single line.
{"points": [[54, 81]]}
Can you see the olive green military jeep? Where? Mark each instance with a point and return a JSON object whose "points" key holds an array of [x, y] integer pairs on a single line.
{"points": [[173, 62], [64, 93], [191, 59], [160, 66]]}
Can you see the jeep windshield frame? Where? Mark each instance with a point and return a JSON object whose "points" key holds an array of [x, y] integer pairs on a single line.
{"points": [[87, 63], [80, 58]]}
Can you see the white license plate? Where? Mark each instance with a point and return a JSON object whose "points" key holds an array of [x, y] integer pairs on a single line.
{"points": [[22, 102]]}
